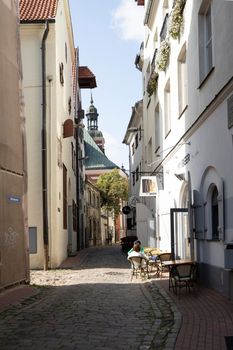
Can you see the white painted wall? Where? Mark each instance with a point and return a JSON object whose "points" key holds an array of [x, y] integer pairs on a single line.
{"points": [[57, 113], [206, 129]]}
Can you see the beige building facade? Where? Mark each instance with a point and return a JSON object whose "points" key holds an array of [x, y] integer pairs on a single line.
{"points": [[48, 55], [14, 258]]}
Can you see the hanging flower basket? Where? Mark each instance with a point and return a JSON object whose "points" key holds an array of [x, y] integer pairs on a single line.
{"points": [[176, 19], [163, 55], [152, 84]]}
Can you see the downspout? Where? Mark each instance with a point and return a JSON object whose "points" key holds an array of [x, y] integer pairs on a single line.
{"points": [[44, 149]]}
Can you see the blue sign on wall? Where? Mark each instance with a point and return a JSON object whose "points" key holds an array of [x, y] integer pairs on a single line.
{"points": [[13, 199]]}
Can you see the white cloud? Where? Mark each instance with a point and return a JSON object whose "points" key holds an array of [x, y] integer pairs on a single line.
{"points": [[127, 19]]}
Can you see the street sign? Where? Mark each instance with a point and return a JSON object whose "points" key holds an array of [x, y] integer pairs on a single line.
{"points": [[126, 210]]}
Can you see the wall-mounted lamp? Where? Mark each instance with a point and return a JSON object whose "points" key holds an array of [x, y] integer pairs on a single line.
{"points": [[158, 155], [83, 158], [179, 144], [180, 177], [134, 129]]}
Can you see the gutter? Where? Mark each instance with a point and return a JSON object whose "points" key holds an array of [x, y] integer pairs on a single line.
{"points": [[37, 21], [44, 148]]}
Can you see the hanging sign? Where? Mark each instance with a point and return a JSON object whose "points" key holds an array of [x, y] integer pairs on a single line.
{"points": [[148, 186], [126, 210]]}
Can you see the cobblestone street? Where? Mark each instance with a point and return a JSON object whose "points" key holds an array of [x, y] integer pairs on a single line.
{"points": [[92, 305]]}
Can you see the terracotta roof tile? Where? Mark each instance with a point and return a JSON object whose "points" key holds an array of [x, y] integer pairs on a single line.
{"points": [[86, 78], [31, 10], [85, 72]]}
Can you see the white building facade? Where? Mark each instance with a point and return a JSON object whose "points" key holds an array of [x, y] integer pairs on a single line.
{"points": [[188, 131], [48, 56]]}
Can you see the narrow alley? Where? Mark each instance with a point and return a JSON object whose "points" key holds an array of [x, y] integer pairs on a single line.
{"points": [[91, 305]]}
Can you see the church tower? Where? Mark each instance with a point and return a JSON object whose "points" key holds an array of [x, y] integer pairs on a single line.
{"points": [[92, 126]]}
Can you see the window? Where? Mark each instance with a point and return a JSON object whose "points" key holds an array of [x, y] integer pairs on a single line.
{"points": [[149, 149], [72, 155], [61, 69], [163, 32], [136, 141], [182, 81], [230, 111], [167, 112], [137, 174], [133, 148], [133, 178], [214, 214], [157, 128], [66, 52], [140, 132], [64, 197], [205, 40], [32, 240], [74, 216]]}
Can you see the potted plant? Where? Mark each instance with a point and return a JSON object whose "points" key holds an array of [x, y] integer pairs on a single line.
{"points": [[163, 55], [176, 19], [152, 84]]}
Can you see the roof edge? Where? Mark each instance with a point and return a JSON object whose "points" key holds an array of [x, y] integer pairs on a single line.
{"points": [[37, 21]]}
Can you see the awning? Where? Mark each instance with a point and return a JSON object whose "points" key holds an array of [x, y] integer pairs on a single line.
{"points": [[86, 78]]}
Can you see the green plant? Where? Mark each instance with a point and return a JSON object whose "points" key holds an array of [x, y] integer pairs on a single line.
{"points": [[176, 20], [152, 84], [163, 55], [113, 189]]}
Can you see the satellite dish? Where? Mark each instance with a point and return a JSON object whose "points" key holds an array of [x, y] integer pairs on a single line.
{"points": [[133, 200]]}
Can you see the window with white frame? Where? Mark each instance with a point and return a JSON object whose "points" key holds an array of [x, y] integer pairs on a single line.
{"points": [[205, 39], [214, 214], [167, 109], [157, 128], [182, 80], [149, 150]]}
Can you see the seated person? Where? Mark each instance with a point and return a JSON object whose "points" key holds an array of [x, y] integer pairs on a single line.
{"points": [[137, 250], [136, 243]]}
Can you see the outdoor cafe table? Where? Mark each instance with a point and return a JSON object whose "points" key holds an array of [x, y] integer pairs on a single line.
{"points": [[170, 263]]}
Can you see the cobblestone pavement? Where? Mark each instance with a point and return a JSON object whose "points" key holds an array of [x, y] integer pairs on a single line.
{"points": [[92, 305]]}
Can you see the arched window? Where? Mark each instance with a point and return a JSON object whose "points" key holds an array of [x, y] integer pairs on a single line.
{"points": [[215, 214]]}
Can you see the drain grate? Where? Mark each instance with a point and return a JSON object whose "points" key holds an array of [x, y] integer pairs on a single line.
{"points": [[229, 342]]}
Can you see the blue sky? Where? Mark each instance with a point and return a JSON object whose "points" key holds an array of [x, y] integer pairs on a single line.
{"points": [[108, 34]]}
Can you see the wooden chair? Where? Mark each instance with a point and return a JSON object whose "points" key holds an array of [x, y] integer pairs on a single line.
{"points": [[139, 266]]}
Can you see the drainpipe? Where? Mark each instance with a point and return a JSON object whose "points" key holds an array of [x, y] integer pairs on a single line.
{"points": [[44, 150]]}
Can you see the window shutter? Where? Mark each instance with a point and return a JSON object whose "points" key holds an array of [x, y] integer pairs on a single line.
{"points": [[199, 215], [221, 210]]}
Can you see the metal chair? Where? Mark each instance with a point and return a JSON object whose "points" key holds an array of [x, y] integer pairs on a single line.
{"points": [[182, 276], [139, 266], [153, 263], [161, 258]]}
